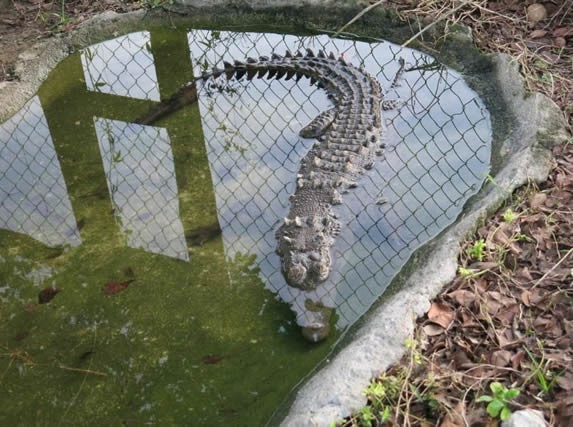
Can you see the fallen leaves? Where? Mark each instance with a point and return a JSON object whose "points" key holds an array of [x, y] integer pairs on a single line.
{"points": [[538, 35], [47, 294], [114, 287], [211, 359], [512, 324]]}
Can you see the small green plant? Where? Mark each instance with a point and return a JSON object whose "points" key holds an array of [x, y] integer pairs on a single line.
{"points": [[366, 416], [61, 18], [477, 250], [376, 393], [545, 377], [521, 237], [470, 273], [415, 354], [509, 215], [497, 403], [385, 414]]}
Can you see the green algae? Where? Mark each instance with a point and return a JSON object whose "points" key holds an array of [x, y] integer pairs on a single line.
{"points": [[198, 343]]}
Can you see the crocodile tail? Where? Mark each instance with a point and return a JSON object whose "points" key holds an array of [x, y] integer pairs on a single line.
{"points": [[287, 66]]}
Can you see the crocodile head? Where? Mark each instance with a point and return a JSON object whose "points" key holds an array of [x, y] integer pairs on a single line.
{"points": [[304, 246]]}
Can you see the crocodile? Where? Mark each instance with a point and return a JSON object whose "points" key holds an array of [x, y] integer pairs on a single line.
{"points": [[348, 138]]}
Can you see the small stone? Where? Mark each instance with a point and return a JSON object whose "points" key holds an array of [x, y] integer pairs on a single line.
{"points": [[525, 418], [535, 13]]}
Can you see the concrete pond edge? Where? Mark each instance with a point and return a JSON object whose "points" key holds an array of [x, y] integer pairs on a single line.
{"points": [[533, 125]]}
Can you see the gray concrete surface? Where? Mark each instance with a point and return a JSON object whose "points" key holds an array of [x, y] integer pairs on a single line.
{"points": [[525, 127]]}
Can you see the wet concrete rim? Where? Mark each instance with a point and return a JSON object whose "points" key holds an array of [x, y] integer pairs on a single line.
{"points": [[525, 127]]}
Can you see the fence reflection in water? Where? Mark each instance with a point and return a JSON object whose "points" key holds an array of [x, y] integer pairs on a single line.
{"points": [[437, 155]]}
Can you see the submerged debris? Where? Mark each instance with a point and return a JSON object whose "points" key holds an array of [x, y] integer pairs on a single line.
{"points": [[113, 287], [47, 294], [211, 359]]}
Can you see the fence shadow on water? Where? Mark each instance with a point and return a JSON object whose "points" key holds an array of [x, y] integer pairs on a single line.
{"points": [[437, 155]]}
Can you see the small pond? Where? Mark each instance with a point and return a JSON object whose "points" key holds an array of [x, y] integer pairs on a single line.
{"points": [[138, 277]]}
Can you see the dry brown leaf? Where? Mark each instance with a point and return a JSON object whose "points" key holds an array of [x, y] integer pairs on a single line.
{"points": [[492, 306], [526, 297], [490, 265], [565, 409], [506, 339], [548, 326], [523, 273], [481, 285], [468, 321], [563, 342], [455, 417], [537, 34], [432, 330], [517, 358], [441, 314], [563, 32], [500, 358], [538, 200], [502, 237], [462, 297], [504, 300], [506, 316], [537, 295], [461, 360], [566, 381]]}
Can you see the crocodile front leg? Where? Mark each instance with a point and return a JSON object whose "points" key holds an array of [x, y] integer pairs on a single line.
{"points": [[319, 124]]}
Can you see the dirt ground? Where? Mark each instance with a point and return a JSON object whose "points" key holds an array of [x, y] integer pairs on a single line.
{"points": [[508, 316], [23, 23]]}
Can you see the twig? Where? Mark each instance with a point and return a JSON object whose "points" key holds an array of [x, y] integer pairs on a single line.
{"points": [[552, 268], [440, 19], [85, 371], [75, 398], [358, 16]]}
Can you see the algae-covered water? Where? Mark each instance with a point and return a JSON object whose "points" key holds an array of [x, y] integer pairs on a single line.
{"points": [[138, 279]]}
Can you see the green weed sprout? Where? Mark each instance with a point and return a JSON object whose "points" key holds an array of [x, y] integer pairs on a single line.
{"points": [[477, 250], [497, 404], [509, 215]]}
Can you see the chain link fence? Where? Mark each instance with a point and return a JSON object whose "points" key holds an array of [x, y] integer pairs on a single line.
{"points": [[437, 155]]}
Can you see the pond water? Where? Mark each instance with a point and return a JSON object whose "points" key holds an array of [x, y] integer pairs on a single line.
{"points": [[138, 277]]}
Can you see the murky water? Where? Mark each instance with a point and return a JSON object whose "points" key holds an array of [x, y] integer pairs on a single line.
{"points": [[160, 238]]}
